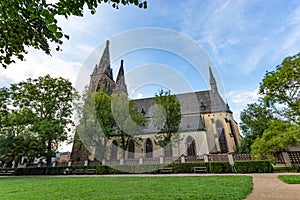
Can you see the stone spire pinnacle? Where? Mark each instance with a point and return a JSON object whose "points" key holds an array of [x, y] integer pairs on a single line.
{"points": [[212, 80], [104, 64], [120, 83]]}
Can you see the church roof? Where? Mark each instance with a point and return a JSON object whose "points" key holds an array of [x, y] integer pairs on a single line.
{"points": [[192, 105]]}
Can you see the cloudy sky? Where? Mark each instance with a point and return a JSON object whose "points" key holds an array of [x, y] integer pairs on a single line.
{"points": [[240, 39]]}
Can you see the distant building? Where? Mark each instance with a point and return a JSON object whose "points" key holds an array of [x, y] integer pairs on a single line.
{"points": [[63, 156], [207, 125]]}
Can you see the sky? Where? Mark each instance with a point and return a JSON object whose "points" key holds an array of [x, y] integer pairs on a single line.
{"points": [[170, 44]]}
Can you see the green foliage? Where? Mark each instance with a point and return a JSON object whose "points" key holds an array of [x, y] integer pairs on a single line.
{"points": [[281, 88], [39, 116], [129, 122], [256, 118], [290, 179], [166, 118], [219, 167], [277, 137], [34, 24], [253, 167]]}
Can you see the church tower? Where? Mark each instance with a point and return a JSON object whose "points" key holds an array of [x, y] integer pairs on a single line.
{"points": [[120, 86], [102, 74]]}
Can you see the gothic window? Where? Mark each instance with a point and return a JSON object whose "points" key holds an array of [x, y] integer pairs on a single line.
{"points": [[233, 133], [222, 138], [114, 150], [131, 149], [149, 148], [191, 147]]}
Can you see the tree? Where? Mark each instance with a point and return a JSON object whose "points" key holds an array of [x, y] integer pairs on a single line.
{"points": [[279, 136], [15, 139], [166, 118], [129, 122], [29, 23], [256, 118], [281, 88], [46, 107]]}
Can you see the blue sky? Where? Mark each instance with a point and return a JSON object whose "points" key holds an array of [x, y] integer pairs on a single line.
{"points": [[241, 39]]}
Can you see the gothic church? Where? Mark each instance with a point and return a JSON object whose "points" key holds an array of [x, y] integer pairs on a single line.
{"points": [[207, 125]]}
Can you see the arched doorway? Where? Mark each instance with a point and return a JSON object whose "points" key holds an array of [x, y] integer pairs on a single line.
{"points": [[222, 137], [131, 149], [191, 146], [149, 148], [114, 150]]}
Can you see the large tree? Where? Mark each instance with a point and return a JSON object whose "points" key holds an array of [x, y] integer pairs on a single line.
{"points": [[46, 106], [166, 118], [255, 119], [281, 89], [279, 136], [33, 23], [129, 122]]}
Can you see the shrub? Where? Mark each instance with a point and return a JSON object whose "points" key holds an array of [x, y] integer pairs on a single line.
{"points": [[253, 167], [219, 167]]}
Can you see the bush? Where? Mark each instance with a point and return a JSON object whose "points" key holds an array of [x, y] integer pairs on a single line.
{"points": [[253, 167], [219, 167]]}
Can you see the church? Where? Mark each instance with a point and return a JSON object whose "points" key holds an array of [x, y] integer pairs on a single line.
{"points": [[207, 125]]}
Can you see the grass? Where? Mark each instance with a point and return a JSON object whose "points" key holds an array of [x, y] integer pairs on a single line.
{"points": [[212, 187], [290, 179]]}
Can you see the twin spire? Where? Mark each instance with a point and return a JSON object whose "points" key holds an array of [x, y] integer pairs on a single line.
{"points": [[103, 68]]}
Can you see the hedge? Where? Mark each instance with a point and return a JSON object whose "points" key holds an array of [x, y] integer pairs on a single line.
{"points": [[253, 167], [213, 167]]}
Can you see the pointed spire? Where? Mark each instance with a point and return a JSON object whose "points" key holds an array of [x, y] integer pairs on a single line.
{"points": [[121, 71], [212, 80], [120, 83], [104, 64]]}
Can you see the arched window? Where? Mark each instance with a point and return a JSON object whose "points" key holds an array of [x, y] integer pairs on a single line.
{"points": [[222, 138], [191, 147], [131, 149], [114, 150], [149, 148], [233, 133]]}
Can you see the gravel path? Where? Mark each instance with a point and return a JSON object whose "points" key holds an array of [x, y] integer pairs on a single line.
{"points": [[268, 186]]}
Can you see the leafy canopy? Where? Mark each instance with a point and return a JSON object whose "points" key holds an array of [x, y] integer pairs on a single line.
{"points": [[281, 88], [166, 118], [41, 109], [33, 23]]}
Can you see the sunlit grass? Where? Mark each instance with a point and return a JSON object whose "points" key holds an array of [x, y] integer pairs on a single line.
{"points": [[212, 187], [290, 179]]}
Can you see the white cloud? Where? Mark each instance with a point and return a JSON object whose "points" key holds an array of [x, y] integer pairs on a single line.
{"points": [[243, 96], [39, 64]]}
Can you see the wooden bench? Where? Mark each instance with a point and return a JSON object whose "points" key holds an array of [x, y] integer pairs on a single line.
{"points": [[90, 171], [200, 169], [7, 172], [166, 170], [78, 171]]}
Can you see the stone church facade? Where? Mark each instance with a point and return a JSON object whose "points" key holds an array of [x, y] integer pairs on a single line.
{"points": [[207, 125]]}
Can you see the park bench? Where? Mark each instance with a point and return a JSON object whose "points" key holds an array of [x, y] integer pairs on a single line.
{"points": [[78, 171], [166, 170], [200, 169], [7, 172], [90, 171]]}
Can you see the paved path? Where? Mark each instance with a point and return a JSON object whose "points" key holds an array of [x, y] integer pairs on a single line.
{"points": [[268, 186]]}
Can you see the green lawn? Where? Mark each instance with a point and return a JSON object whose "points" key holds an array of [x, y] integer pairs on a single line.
{"points": [[213, 187], [290, 179]]}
